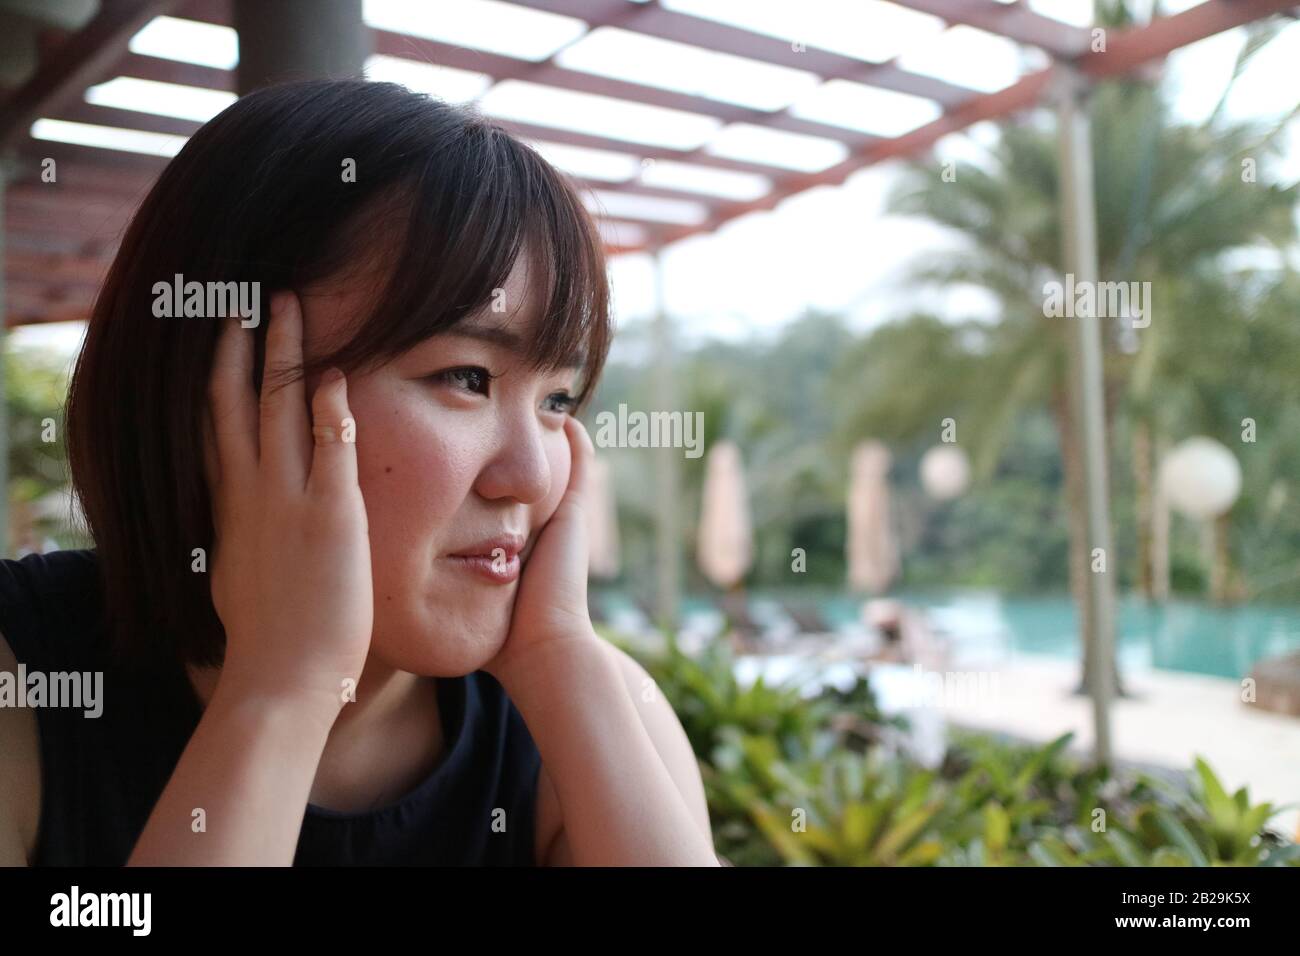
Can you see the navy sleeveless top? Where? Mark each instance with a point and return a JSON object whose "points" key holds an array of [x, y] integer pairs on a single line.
{"points": [[101, 776]]}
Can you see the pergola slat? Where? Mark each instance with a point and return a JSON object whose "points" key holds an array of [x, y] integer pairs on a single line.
{"points": [[126, 119], [174, 71], [1129, 49], [644, 150], [1013, 21]]}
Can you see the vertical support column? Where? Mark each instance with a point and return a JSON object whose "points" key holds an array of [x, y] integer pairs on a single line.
{"points": [[298, 40], [668, 559], [1079, 242], [1159, 530]]}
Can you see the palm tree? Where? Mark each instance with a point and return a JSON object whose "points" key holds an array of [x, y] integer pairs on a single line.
{"points": [[1170, 200]]}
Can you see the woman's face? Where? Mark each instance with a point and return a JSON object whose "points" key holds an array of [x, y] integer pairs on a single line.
{"points": [[458, 443]]}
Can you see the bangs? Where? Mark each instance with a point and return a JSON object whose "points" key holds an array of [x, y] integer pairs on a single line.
{"points": [[454, 232]]}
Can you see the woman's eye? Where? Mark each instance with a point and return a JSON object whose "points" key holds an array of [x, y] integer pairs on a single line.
{"points": [[561, 402], [473, 379]]}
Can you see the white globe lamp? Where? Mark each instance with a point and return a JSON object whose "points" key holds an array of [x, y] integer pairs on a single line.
{"points": [[1200, 478], [945, 472]]}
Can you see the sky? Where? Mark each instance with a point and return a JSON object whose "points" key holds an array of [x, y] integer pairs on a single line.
{"points": [[832, 248]]}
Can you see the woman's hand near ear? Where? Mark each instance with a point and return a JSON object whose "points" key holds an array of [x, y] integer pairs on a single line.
{"points": [[291, 578], [291, 582]]}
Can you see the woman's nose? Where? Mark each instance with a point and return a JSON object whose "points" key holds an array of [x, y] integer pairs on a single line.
{"points": [[518, 467]]}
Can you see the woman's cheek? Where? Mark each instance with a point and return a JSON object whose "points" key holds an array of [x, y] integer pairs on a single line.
{"points": [[410, 470]]}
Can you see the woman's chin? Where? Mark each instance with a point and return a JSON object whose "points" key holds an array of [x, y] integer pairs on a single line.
{"points": [[453, 645]]}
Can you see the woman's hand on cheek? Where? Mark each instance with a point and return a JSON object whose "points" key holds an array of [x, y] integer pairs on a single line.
{"points": [[551, 603]]}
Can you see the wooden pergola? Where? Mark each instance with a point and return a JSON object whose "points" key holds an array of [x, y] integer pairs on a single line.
{"points": [[59, 237]]}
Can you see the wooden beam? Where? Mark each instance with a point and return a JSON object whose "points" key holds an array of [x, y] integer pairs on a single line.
{"points": [[174, 71], [55, 269], [95, 214], [126, 119], [1128, 49], [643, 150], [1015, 21], [25, 307], [107, 170], [77, 62]]}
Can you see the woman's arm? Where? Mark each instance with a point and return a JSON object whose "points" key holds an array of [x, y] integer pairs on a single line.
{"points": [[240, 789], [291, 584], [620, 803], [20, 775]]}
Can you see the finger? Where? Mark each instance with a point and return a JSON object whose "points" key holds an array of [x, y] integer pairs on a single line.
{"points": [[285, 436], [573, 545], [232, 408], [334, 458], [581, 455]]}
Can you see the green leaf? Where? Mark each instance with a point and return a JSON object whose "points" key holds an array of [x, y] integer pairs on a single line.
{"points": [[1168, 856], [1040, 761], [1221, 807], [856, 826], [896, 837], [1179, 835], [997, 827], [1129, 853]]}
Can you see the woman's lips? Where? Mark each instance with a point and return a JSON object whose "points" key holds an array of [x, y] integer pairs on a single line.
{"points": [[502, 569]]}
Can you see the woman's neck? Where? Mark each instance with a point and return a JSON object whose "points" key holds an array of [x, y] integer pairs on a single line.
{"points": [[381, 746]]}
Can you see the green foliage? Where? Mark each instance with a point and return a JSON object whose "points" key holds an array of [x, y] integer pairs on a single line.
{"points": [[809, 782], [35, 386]]}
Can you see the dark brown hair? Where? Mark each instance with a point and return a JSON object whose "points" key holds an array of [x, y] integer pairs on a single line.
{"points": [[259, 194]]}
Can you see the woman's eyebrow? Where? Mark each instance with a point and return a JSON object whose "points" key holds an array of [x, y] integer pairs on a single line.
{"points": [[506, 339]]}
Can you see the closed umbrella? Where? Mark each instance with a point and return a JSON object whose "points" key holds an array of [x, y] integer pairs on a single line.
{"points": [[872, 549], [725, 543]]}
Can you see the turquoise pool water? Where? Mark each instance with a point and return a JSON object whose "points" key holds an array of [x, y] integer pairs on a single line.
{"points": [[1179, 636]]}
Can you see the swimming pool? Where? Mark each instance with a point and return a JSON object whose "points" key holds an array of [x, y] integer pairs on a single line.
{"points": [[1180, 636]]}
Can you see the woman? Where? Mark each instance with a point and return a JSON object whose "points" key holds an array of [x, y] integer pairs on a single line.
{"points": [[341, 616]]}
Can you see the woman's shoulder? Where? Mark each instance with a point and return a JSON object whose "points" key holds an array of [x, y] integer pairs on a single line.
{"points": [[47, 602], [40, 595], [49, 575]]}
